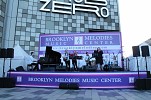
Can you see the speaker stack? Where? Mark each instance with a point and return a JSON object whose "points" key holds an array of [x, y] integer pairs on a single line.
{"points": [[136, 53], [142, 83], [6, 82], [145, 53]]}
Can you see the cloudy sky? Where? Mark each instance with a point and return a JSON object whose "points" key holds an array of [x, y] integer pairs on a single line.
{"points": [[135, 20]]}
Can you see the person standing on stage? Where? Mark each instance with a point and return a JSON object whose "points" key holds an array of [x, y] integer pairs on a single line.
{"points": [[74, 60], [87, 59], [67, 60], [99, 58]]}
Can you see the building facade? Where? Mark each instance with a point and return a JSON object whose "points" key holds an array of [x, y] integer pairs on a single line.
{"points": [[2, 17], [22, 21]]}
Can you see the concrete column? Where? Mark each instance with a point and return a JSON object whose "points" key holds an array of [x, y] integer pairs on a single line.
{"points": [[10, 23]]}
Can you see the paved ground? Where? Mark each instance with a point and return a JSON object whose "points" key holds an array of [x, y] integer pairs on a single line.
{"points": [[19, 93]]}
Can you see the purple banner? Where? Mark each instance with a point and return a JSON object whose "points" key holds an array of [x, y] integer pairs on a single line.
{"points": [[80, 39], [85, 80]]}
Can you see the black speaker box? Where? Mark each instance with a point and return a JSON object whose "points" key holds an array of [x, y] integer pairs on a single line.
{"points": [[7, 82], [90, 68], [20, 68], [140, 84], [148, 83], [74, 86], [145, 51], [148, 74], [64, 86], [136, 51], [106, 68], [60, 68], [10, 53], [3, 53], [116, 68]]}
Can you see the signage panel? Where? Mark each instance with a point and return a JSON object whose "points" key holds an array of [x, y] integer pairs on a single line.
{"points": [[85, 80], [97, 7]]}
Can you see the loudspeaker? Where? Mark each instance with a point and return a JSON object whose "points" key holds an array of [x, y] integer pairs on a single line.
{"points": [[20, 68], [106, 68], [3, 53], [90, 68], [116, 68], [64, 86], [60, 68], [148, 74], [74, 86], [136, 51], [10, 53], [7, 82], [140, 84], [148, 83], [145, 51]]}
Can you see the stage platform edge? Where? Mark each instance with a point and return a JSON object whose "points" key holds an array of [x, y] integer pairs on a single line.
{"points": [[96, 80]]}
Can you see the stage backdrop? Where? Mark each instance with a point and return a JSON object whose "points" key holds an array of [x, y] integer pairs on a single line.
{"points": [[109, 42]]}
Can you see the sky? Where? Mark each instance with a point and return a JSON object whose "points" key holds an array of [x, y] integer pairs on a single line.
{"points": [[135, 20]]}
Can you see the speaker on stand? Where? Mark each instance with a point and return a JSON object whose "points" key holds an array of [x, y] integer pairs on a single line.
{"points": [[136, 53], [145, 53], [140, 83], [6, 82], [3, 54], [10, 54]]}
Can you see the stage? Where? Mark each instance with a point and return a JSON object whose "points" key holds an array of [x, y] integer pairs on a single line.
{"points": [[100, 80]]}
